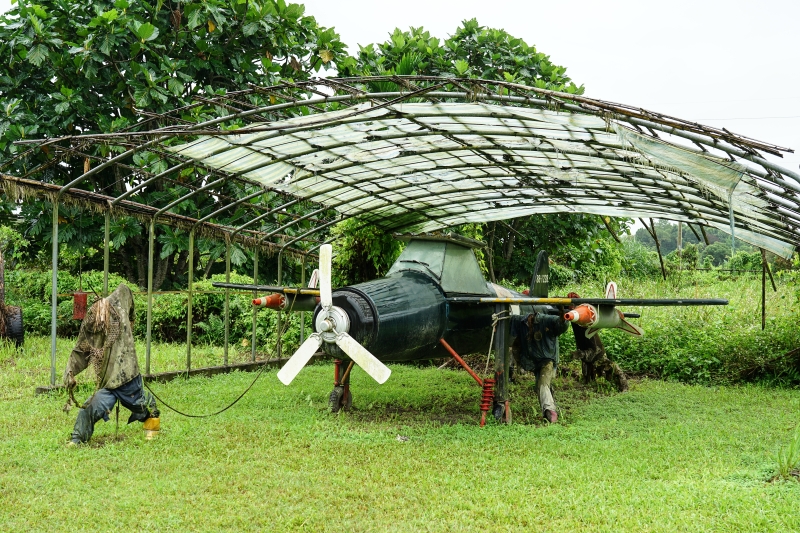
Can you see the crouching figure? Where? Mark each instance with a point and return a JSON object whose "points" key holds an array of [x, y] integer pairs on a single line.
{"points": [[594, 361]]}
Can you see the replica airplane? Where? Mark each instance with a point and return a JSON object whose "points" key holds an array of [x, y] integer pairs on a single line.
{"points": [[434, 302]]}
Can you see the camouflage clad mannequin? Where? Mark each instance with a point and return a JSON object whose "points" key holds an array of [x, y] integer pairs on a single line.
{"points": [[106, 342], [594, 361], [535, 349]]}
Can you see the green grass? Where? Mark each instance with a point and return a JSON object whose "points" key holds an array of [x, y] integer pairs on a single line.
{"points": [[663, 457]]}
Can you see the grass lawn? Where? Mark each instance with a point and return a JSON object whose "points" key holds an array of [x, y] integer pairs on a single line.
{"points": [[661, 457]]}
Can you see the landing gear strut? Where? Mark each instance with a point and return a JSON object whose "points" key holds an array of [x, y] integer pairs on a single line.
{"points": [[491, 389], [341, 398]]}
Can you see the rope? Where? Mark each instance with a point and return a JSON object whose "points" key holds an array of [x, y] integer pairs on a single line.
{"points": [[234, 402], [496, 318]]}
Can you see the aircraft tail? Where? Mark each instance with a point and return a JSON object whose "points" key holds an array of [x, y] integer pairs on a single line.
{"points": [[540, 283], [611, 290]]}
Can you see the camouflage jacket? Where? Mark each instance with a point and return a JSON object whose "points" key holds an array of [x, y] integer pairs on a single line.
{"points": [[588, 349], [537, 338], [106, 342]]}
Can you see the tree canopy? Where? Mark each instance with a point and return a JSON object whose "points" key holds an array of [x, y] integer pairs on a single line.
{"points": [[101, 66], [107, 66]]}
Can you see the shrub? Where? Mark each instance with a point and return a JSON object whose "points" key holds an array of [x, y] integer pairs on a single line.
{"points": [[639, 261], [745, 261], [789, 457]]}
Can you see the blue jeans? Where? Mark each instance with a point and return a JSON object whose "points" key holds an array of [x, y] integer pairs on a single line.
{"points": [[131, 395]]}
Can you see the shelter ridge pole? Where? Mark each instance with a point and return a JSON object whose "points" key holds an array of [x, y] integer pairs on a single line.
{"points": [[54, 296], [106, 245], [151, 245], [189, 304]]}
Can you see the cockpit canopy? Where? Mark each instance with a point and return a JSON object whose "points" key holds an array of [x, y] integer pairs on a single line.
{"points": [[450, 262]]}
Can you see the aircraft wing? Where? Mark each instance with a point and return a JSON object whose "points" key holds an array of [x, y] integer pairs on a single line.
{"points": [[525, 300], [266, 288]]}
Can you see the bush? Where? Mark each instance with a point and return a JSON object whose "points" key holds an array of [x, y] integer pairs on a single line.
{"points": [[31, 289], [705, 344], [745, 261], [638, 261]]}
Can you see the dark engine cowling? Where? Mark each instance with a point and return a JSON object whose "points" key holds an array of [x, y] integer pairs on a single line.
{"points": [[395, 318]]}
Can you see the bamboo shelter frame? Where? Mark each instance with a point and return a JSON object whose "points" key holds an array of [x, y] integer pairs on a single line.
{"points": [[418, 153]]}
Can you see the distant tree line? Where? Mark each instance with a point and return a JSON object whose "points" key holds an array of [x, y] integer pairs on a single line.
{"points": [[715, 254]]}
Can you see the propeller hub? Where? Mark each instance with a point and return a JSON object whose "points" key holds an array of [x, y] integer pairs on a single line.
{"points": [[331, 322]]}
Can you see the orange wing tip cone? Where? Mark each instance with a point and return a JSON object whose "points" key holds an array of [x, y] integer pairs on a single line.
{"points": [[273, 301], [583, 315]]}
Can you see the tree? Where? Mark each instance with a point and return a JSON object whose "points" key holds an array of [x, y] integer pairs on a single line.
{"points": [[98, 67], [472, 51]]}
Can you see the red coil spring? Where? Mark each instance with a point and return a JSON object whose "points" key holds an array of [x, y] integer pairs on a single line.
{"points": [[487, 398]]}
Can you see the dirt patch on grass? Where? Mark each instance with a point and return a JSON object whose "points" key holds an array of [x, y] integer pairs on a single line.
{"points": [[443, 415], [568, 390], [104, 440]]}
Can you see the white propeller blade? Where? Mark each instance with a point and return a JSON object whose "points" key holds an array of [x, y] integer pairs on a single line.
{"points": [[303, 354], [363, 358], [325, 253]]}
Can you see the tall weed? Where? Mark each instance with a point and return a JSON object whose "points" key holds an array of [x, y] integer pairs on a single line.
{"points": [[789, 457]]}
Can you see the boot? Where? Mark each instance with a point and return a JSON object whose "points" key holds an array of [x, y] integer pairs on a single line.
{"points": [[151, 427]]}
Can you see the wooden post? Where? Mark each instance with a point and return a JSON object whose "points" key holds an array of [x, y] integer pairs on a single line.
{"points": [[694, 231], [611, 231], [652, 232], [502, 359], [705, 235], [769, 270]]}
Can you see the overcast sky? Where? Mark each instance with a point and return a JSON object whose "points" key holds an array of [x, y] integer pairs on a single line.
{"points": [[732, 64]]}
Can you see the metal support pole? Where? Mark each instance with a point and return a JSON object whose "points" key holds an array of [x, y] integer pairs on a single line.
{"points": [[763, 290], [279, 322], [106, 247], [255, 309], [302, 313], [149, 337], [54, 298], [189, 304], [227, 299]]}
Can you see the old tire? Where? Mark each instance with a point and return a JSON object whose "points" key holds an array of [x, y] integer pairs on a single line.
{"points": [[15, 330]]}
